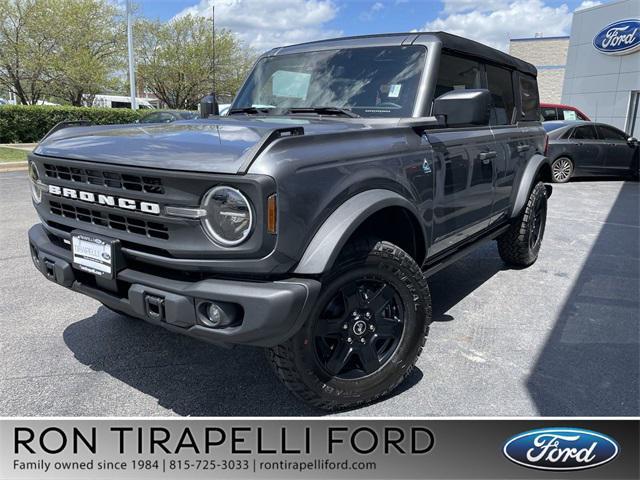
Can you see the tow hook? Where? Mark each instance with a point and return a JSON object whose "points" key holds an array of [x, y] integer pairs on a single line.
{"points": [[154, 307]]}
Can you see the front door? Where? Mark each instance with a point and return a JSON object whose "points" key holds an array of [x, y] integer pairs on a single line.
{"points": [[464, 169], [618, 152]]}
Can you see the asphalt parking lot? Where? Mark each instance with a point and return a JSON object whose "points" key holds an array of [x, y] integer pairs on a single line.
{"points": [[559, 338]]}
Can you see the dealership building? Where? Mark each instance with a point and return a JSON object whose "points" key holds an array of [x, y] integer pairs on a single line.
{"points": [[596, 68]]}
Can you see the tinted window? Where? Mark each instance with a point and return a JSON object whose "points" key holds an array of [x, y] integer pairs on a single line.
{"points": [[501, 87], [609, 133], [548, 114], [529, 98], [457, 73], [159, 117], [373, 81], [584, 133]]}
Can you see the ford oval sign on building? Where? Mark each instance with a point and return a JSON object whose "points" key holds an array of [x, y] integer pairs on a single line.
{"points": [[561, 449], [619, 38]]}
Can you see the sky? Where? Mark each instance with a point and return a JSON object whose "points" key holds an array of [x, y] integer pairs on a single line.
{"points": [[264, 24]]}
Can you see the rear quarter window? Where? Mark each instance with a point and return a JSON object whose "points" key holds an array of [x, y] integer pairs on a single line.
{"points": [[529, 100]]}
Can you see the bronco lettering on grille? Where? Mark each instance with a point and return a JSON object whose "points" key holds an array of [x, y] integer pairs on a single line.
{"points": [[107, 200]]}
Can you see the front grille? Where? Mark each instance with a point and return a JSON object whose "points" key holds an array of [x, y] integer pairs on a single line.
{"points": [[122, 181], [110, 220]]}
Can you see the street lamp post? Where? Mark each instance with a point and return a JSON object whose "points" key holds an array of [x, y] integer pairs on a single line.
{"points": [[132, 66]]}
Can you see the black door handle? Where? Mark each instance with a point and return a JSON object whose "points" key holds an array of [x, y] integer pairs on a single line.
{"points": [[486, 156], [523, 148]]}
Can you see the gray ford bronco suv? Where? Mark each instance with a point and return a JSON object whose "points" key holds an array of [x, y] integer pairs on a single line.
{"points": [[309, 219]]}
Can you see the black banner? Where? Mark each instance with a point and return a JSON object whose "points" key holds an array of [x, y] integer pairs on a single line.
{"points": [[318, 448]]}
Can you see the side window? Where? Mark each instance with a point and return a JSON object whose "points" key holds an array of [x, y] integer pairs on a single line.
{"points": [[500, 85], [529, 101], [548, 114], [569, 115], [585, 133], [609, 133], [457, 73]]}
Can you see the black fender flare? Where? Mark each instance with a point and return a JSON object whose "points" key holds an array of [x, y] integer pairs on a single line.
{"points": [[527, 179], [325, 246]]}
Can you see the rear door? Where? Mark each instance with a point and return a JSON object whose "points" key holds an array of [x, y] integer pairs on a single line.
{"points": [[617, 152], [587, 150], [511, 147]]}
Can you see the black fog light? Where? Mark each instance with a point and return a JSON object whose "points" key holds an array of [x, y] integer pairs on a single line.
{"points": [[218, 314]]}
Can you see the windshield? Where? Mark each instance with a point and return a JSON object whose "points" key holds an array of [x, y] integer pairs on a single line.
{"points": [[371, 82]]}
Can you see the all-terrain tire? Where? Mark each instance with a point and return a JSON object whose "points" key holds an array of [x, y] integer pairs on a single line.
{"points": [[519, 246], [296, 362]]}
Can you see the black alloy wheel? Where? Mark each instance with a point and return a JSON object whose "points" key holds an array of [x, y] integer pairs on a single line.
{"points": [[359, 329]]}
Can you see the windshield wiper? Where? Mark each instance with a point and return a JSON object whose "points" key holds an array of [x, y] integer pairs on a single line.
{"points": [[324, 111], [251, 110]]}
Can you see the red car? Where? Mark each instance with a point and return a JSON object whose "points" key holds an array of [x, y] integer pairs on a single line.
{"points": [[557, 111]]}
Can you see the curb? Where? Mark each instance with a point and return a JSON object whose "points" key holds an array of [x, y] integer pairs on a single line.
{"points": [[13, 166]]}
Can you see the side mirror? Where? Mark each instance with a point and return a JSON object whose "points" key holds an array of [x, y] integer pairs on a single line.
{"points": [[633, 141], [209, 106], [463, 108]]}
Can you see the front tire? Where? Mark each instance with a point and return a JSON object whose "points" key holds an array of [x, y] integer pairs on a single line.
{"points": [[365, 333], [520, 244], [561, 170]]}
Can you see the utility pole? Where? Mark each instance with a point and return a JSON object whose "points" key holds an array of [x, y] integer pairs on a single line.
{"points": [[132, 66], [213, 45]]}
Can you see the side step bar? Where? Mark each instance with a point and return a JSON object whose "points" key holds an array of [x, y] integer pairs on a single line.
{"points": [[439, 263]]}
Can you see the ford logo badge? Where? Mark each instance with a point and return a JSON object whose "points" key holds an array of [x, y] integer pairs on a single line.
{"points": [[561, 449], [619, 38]]}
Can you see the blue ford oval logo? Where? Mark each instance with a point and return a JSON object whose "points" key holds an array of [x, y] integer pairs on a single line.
{"points": [[561, 449], [619, 38]]}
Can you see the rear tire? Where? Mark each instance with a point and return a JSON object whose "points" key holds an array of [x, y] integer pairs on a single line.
{"points": [[519, 246], [365, 332], [561, 170]]}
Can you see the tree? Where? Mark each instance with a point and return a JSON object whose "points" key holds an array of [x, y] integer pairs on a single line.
{"points": [[60, 48], [175, 60], [27, 47], [89, 49]]}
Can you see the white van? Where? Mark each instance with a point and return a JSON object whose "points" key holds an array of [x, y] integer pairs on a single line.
{"points": [[119, 101]]}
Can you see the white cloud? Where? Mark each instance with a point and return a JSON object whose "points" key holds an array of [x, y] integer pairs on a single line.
{"points": [[496, 21], [264, 24], [588, 4], [368, 15]]}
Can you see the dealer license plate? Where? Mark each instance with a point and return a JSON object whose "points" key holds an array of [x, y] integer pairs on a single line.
{"points": [[92, 254]]}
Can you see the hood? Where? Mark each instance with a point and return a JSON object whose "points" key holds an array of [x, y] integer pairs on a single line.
{"points": [[219, 145]]}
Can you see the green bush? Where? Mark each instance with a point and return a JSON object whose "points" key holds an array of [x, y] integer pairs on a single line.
{"points": [[29, 123]]}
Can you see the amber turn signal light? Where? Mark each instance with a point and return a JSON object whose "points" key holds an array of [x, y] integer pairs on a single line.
{"points": [[272, 214]]}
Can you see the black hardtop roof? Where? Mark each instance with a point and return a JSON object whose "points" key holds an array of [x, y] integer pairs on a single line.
{"points": [[449, 42]]}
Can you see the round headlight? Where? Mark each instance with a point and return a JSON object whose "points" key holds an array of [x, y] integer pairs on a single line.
{"points": [[229, 217], [34, 176]]}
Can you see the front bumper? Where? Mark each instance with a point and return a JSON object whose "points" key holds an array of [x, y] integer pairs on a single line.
{"points": [[269, 312]]}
